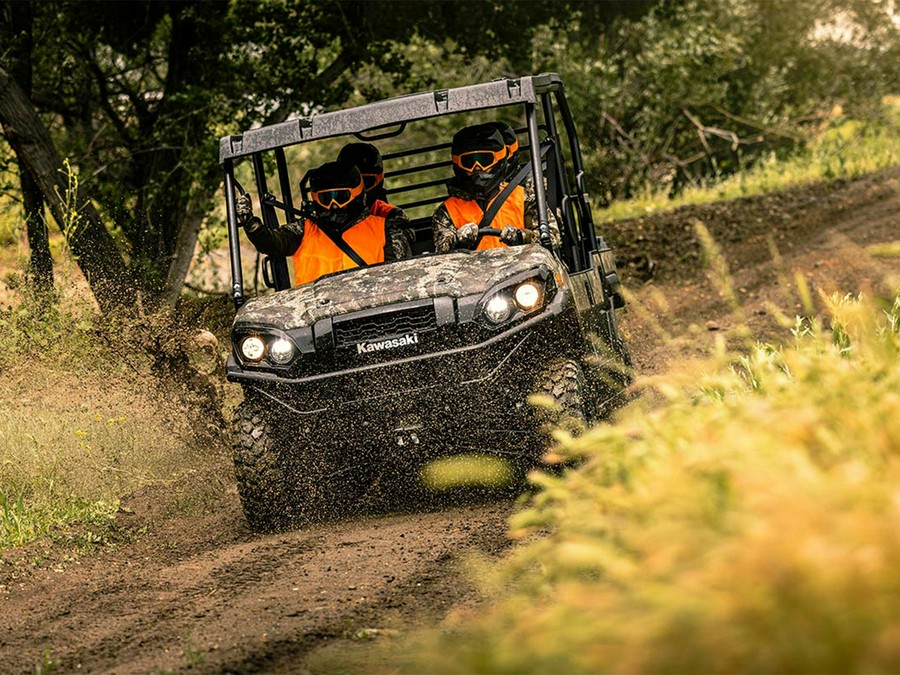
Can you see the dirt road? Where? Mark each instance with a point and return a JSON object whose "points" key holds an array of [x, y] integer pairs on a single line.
{"points": [[194, 588]]}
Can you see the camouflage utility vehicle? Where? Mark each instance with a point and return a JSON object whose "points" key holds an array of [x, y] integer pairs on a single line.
{"points": [[402, 362]]}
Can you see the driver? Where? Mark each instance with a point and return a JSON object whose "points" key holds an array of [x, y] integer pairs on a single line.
{"points": [[481, 159], [337, 213]]}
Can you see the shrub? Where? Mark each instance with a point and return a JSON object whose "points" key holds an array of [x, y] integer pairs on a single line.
{"points": [[749, 523]]}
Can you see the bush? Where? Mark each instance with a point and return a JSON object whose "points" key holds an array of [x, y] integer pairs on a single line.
{"points": [[698, 90], [749, 523]]}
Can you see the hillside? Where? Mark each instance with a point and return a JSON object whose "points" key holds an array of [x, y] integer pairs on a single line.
{"points": [[184, 583]]}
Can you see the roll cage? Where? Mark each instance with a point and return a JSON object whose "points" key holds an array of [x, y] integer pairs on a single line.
{"points": [[558, 175]]}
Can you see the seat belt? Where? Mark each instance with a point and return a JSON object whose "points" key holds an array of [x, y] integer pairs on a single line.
{"points": [[498, 202], [338, 241], [501, 198]]}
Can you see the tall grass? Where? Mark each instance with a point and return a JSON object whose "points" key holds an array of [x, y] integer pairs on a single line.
{"points": [[83, 422], [844, 149], [747, 523]]}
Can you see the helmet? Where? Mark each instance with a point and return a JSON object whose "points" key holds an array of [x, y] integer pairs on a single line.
{"points": [[479, 158], [510, 138], [366, 158], [336, 190]]}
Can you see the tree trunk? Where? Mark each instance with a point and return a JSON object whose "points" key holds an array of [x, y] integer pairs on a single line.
{"points": [[19, 19], [181, 259], [90, 243]]}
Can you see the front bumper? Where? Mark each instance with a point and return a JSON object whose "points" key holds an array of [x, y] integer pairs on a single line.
{"points": [[507, 361]]}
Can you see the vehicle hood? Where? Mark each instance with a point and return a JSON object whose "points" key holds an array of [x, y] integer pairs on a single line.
{"points": [[457, 274]]}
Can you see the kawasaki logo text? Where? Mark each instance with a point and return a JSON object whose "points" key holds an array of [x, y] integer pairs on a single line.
{"points": [[366, 347]]}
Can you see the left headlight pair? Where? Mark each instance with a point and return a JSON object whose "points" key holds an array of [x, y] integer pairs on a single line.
{"points": [[276, 349], [525, 296]]}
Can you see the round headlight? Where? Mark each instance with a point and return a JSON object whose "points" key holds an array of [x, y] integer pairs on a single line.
{"points": [[497, 309], [528, 295], [253, 348], [281, 351]]}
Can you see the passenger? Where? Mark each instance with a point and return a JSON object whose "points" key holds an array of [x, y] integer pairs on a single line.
{"points": [[480, 167], [338, 211], [367, 158], [511, 139]]}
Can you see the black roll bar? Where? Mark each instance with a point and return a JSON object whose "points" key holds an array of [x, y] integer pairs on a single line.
{"points": [[538, 173], [234, 241], [575, 250], [588, 235]]}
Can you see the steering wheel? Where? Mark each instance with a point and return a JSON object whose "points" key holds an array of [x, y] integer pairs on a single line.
{"points": [[487, 232]]}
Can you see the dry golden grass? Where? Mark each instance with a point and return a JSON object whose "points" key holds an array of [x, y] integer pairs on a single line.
{"points": [[83, 423], [747, 523]]}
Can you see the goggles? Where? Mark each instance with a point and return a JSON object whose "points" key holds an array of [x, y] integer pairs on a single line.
{"points": [[336, 198], [370, 180], [479, 160]]}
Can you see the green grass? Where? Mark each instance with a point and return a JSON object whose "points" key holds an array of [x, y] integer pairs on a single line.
{"points": [[83, 423], [846, 148], [745, 522]]}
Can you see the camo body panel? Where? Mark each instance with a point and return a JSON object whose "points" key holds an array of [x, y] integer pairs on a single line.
{"points": [[457, 274]]}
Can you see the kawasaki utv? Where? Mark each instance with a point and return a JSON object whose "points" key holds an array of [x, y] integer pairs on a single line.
{"points": [[435, 355]]}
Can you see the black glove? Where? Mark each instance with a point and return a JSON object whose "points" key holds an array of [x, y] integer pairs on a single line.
{"points": [[243, 209], [512, 236], [467, 235]]}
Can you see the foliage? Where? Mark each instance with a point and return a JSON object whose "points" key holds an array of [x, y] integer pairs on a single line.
{"points": [[700, 89], [844, 148], [9, 224], [747, 523]]}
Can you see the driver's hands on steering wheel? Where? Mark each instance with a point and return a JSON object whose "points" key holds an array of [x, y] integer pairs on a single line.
{"points": [[467, 235], [512, 236]]}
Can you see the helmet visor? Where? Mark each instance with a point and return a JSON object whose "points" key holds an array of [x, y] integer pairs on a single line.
{"points": [[336, 198], [479, 160]]}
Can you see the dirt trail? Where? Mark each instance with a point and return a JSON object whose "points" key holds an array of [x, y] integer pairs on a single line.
{"points": [[203, 592]]}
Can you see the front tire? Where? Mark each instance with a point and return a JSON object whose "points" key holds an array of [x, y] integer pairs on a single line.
{"points": [[259, 468], [563, 383]]}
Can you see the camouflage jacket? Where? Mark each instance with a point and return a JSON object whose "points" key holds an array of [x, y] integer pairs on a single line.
{"points": [[444, 229], [285, 240]]}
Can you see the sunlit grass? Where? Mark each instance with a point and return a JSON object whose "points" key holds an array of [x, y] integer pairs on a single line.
{"points": [[847, 148], [746, 522], [81, 424]]}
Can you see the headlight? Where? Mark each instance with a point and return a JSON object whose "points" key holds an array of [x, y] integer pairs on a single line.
{"points": [[281, 351], [497, 309], [253, 348], [527, 295], [263, 347]]}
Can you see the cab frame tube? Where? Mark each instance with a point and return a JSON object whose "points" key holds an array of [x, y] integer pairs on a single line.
{"points": [[538, 171], [234, 242]]}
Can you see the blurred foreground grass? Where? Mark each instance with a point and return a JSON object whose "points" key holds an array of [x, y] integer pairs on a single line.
{"points": [[747, 522], [844, 148]]}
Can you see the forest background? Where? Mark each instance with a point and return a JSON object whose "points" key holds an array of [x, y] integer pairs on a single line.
{"points": [[111, 112], [773, 464]]}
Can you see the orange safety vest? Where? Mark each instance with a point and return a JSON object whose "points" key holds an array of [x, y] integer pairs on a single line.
{"points": [[318, 255], [381, 208], [512, 212]]}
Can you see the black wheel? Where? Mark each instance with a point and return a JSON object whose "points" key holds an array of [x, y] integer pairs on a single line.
{"points": [[259, 467], [283, 479]]}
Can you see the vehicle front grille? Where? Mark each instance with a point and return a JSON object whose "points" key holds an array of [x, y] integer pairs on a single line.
{"points": [[384, 325]]}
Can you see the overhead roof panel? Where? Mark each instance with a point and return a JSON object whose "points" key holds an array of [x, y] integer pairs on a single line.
{"points": [[389, 113]]}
